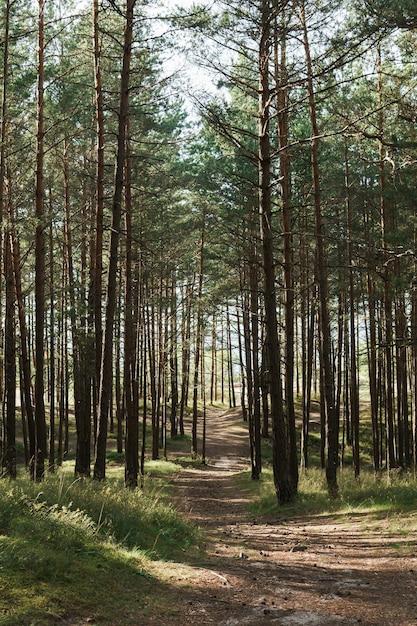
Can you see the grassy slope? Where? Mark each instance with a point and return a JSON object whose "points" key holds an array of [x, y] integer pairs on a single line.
{"points": [[79, 549]]}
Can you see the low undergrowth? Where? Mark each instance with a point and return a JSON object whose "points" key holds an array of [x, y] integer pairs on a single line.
{"points": [[379, 496], [78, 548]]}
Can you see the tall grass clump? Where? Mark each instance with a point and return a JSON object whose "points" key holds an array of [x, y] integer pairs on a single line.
{"points": [[380, 495], [77, 549], [130, 518]]}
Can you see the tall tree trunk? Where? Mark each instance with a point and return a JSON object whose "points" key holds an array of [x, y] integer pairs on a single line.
{"points": [[145, 405], [213, 380], [97, 269], [40, 422], [329, 400], [150, 325], [186, 342], [413, 340], [242, 365], [372, 356], [248, 367], [281, 80], [51, 350], [232, 396], [255, 415], [198, 341], [82, 416], [173, 360], [386, 228], [353, 370], [132, 423], [9, 425], [265, 386], [107, 354], [282, 475]]}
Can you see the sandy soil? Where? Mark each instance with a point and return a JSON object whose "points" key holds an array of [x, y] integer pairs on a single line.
{"points": [[315, 571]]}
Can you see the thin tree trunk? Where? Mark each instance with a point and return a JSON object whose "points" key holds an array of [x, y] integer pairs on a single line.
{"points": [[82, 416], [329, 400], [213, 383], [288, 261], [186, 342], [249, 373], [255, 419], [173, 360], [242, 367], [106, 364], [232, 396], [199, 336], [150, 325], [119, 403], [51, 352], [97, 269], [9, 424], [40, 422], [353, 370], [132, 424], [386, 227], [265, 385]]}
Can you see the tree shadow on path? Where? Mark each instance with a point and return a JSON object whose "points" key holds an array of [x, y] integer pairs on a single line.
{"points": [[314, 570]]}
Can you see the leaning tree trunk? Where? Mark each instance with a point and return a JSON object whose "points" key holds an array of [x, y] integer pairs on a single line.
{"points": [[107, 354]]}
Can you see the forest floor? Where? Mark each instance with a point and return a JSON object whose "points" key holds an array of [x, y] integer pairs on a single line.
{"points": [[318, 570]]}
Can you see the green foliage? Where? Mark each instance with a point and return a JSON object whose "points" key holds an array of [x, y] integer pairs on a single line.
{"points": [[389, 13]]}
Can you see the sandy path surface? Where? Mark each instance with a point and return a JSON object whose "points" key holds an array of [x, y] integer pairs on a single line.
{"points": [[316, 571]]}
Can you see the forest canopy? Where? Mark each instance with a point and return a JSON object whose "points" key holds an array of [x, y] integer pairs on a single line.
{"points": [[212, 202]]}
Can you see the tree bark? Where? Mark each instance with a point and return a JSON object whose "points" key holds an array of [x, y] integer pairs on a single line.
{"points": [[282, 475], [329, 400], [107, 353], [386, 228], [198, 344], [288, 260], [97, 269], [173, 360], [9, 425], [40, 422], [132, 423], [9, 438]]}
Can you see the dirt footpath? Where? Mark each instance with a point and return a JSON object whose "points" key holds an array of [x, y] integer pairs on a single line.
{"points": [[315, 571]]}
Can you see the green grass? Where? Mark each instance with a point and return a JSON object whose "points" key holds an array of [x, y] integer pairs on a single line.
{"points": [[378, 496], [78, 548]]}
